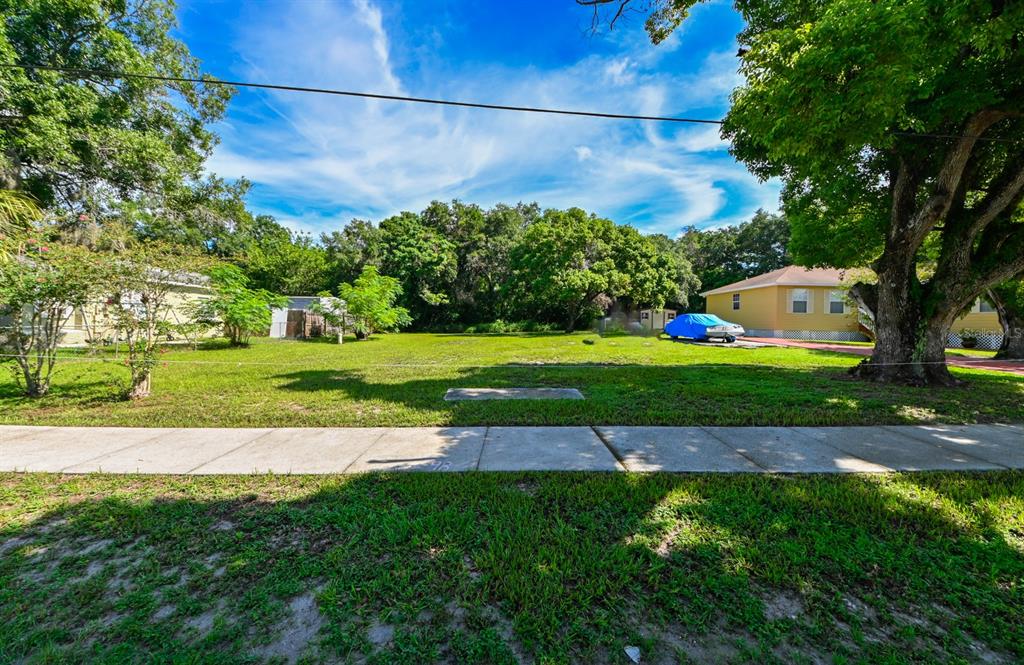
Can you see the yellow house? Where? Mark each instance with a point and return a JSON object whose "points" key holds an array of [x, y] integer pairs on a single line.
{"points": [[811, 303], [792, 302], [94, 322]]}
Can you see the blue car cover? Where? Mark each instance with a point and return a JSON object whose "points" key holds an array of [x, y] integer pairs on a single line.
{"points": [[694, 326]]}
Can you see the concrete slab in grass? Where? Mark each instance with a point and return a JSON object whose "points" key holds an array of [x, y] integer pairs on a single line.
{"points": [[999, 444], [476, 394], [173, 451], [297, 450], [546, 449], [423, 449], [683, 449], [894, 450], [784, 450], [57, 448]]}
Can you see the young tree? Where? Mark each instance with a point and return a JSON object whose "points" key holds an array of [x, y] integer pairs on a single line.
{"points": [[371, 303], [242, 311], [142, 280], [1008, 299], [40, 288], [892, 124], [335, 312]]}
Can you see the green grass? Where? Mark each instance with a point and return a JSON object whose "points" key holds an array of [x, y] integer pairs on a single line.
{"points": [[401, 380], [494, 568]]}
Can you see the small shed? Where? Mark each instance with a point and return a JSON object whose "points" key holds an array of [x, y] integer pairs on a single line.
{"points": [[656, 319], [290, 322]]}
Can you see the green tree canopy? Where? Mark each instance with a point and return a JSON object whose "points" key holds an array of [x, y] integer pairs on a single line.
{"points": [[73, 139], [571, 265], [370, 301], [892, 124], [242, 311], [425, 263]]}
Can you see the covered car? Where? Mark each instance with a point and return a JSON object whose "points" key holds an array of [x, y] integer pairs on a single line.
{"points": [[703, 326]]}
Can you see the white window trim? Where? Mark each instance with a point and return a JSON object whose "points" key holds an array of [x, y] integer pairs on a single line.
{"points": [[790, 300], [831, 297], [736, 302]]}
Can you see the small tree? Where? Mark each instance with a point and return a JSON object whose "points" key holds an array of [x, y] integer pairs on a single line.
{"points": [[242, 311], [335, 312], [40, 289], [371, 303], [142, 281]]}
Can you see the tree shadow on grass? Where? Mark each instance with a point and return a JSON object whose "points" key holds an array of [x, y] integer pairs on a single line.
{"points": [[636, 394], [505, 567]]}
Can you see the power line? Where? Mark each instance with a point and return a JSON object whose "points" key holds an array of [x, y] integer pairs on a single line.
{"points": [[428, 100], [366, 95]]}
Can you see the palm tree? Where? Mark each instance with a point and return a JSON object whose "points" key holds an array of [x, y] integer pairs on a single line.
{"points": [[17, 211]]}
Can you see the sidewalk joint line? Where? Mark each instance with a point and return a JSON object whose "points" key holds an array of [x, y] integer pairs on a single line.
{"points": [[384, 430], [480, 457], [618, 458], [733, 448], [228, 452], [99, 458]]}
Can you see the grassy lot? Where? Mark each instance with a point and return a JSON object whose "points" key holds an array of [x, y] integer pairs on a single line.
{"points": [[402, 379], [500, 568]]}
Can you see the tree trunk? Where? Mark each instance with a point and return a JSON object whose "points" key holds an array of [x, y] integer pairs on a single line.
{"points": [[898, 326], [141, 385], [1012, 322], [934, 370]]}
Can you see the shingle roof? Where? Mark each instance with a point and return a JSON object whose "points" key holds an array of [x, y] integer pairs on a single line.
{"points": [[788, 276]]}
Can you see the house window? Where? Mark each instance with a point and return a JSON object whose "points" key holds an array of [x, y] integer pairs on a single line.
{"points": [[645, 315], [670, 316], [985, 306], [836, 302], [800, 301], [735, 301]]}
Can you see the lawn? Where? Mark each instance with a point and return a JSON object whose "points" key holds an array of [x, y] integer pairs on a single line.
{"points": [[401, 380], [500, 568]]}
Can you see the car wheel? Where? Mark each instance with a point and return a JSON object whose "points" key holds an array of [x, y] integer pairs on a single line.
{"points": [[729, 339]]}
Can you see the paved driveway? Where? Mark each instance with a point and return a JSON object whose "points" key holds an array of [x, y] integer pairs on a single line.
{"points": [[1013, 367]]}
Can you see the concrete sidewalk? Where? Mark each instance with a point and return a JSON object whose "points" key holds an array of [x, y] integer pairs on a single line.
{"points": [[355, 450]]}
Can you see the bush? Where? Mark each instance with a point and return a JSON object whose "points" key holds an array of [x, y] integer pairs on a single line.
{"points": [[498, 327]]}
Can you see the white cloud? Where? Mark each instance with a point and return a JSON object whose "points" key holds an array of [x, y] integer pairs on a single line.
{"points": [[375, 158]]}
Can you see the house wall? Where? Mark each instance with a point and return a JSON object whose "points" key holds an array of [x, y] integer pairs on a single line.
{"points": [[757, 308], [76, 331], [765, 312], [986, 321]]}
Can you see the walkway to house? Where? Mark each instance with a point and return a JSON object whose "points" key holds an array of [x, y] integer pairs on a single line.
{"points": [[354, 450], [957, 361]]}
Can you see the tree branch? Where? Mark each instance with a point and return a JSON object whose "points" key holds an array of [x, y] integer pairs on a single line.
{"points": [[948, 180], [1006, 189]]}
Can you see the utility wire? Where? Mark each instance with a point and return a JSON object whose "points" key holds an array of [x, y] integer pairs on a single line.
{"points": [[424, 100], [367, 95], [331, 363]]}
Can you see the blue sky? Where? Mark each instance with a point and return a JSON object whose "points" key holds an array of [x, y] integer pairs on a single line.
{"points": [[318, 161]]}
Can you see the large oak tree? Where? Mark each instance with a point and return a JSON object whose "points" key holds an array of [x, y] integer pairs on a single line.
{"points": [[897, 128]]}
